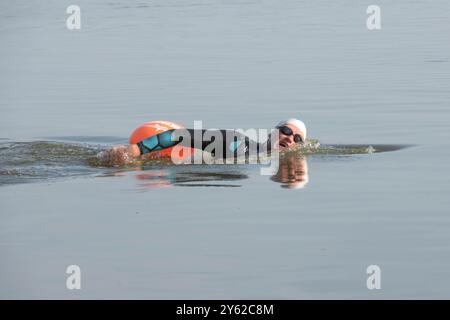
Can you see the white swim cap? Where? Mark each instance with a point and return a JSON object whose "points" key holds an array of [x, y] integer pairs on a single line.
{"points": [[296, 123]]}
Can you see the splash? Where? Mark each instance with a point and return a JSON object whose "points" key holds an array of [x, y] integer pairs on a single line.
{"points": [[47, 160], [314, 146], [43, 160]]}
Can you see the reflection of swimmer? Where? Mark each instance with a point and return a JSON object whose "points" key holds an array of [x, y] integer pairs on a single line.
{"points": [[157, 139], [166, 178], [292, 174], [292, 171], [155, 179]]}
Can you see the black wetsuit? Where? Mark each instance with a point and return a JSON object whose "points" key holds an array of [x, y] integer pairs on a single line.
{"points": [[220, 143]]}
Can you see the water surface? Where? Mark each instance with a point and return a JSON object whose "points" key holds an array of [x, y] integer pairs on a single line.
{"points": [[154, 231]]}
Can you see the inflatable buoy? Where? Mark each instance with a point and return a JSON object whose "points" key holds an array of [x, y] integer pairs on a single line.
{"points": [[152, 128]]}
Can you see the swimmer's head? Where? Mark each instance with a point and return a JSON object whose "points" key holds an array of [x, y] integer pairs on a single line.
{"points": [[291, 132]]}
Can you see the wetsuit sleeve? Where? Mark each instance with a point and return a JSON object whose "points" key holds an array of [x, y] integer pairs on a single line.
{"points": [[168, 139], [157, 142], [232, 143]]}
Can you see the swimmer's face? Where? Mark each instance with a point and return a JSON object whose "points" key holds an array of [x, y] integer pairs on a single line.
{"points": [[288, 141]]}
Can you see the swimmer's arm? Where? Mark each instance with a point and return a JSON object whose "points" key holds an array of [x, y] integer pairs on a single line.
{"points": [[120, 155], [193, 138], [125, 154], [157, 142], [229, 149], [133, 150], [166, 139], [237, 147]]}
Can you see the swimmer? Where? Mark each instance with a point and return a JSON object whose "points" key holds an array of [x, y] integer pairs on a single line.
{"points": [[158, 138]]}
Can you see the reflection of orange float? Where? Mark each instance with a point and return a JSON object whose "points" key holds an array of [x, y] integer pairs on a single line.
{"points": [[149, 129]]}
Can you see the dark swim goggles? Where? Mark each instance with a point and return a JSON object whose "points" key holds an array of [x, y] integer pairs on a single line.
{"points": [[288, 132]]}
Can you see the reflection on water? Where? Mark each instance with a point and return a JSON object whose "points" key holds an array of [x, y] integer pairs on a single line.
{"points": [[165, 178], [292, 173], [152, 177]]}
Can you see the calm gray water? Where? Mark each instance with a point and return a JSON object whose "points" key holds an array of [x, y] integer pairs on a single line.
{"points": [[225, 231]]}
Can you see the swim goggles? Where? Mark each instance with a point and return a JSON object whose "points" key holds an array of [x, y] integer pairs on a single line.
{"points": [[288, 132]]}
